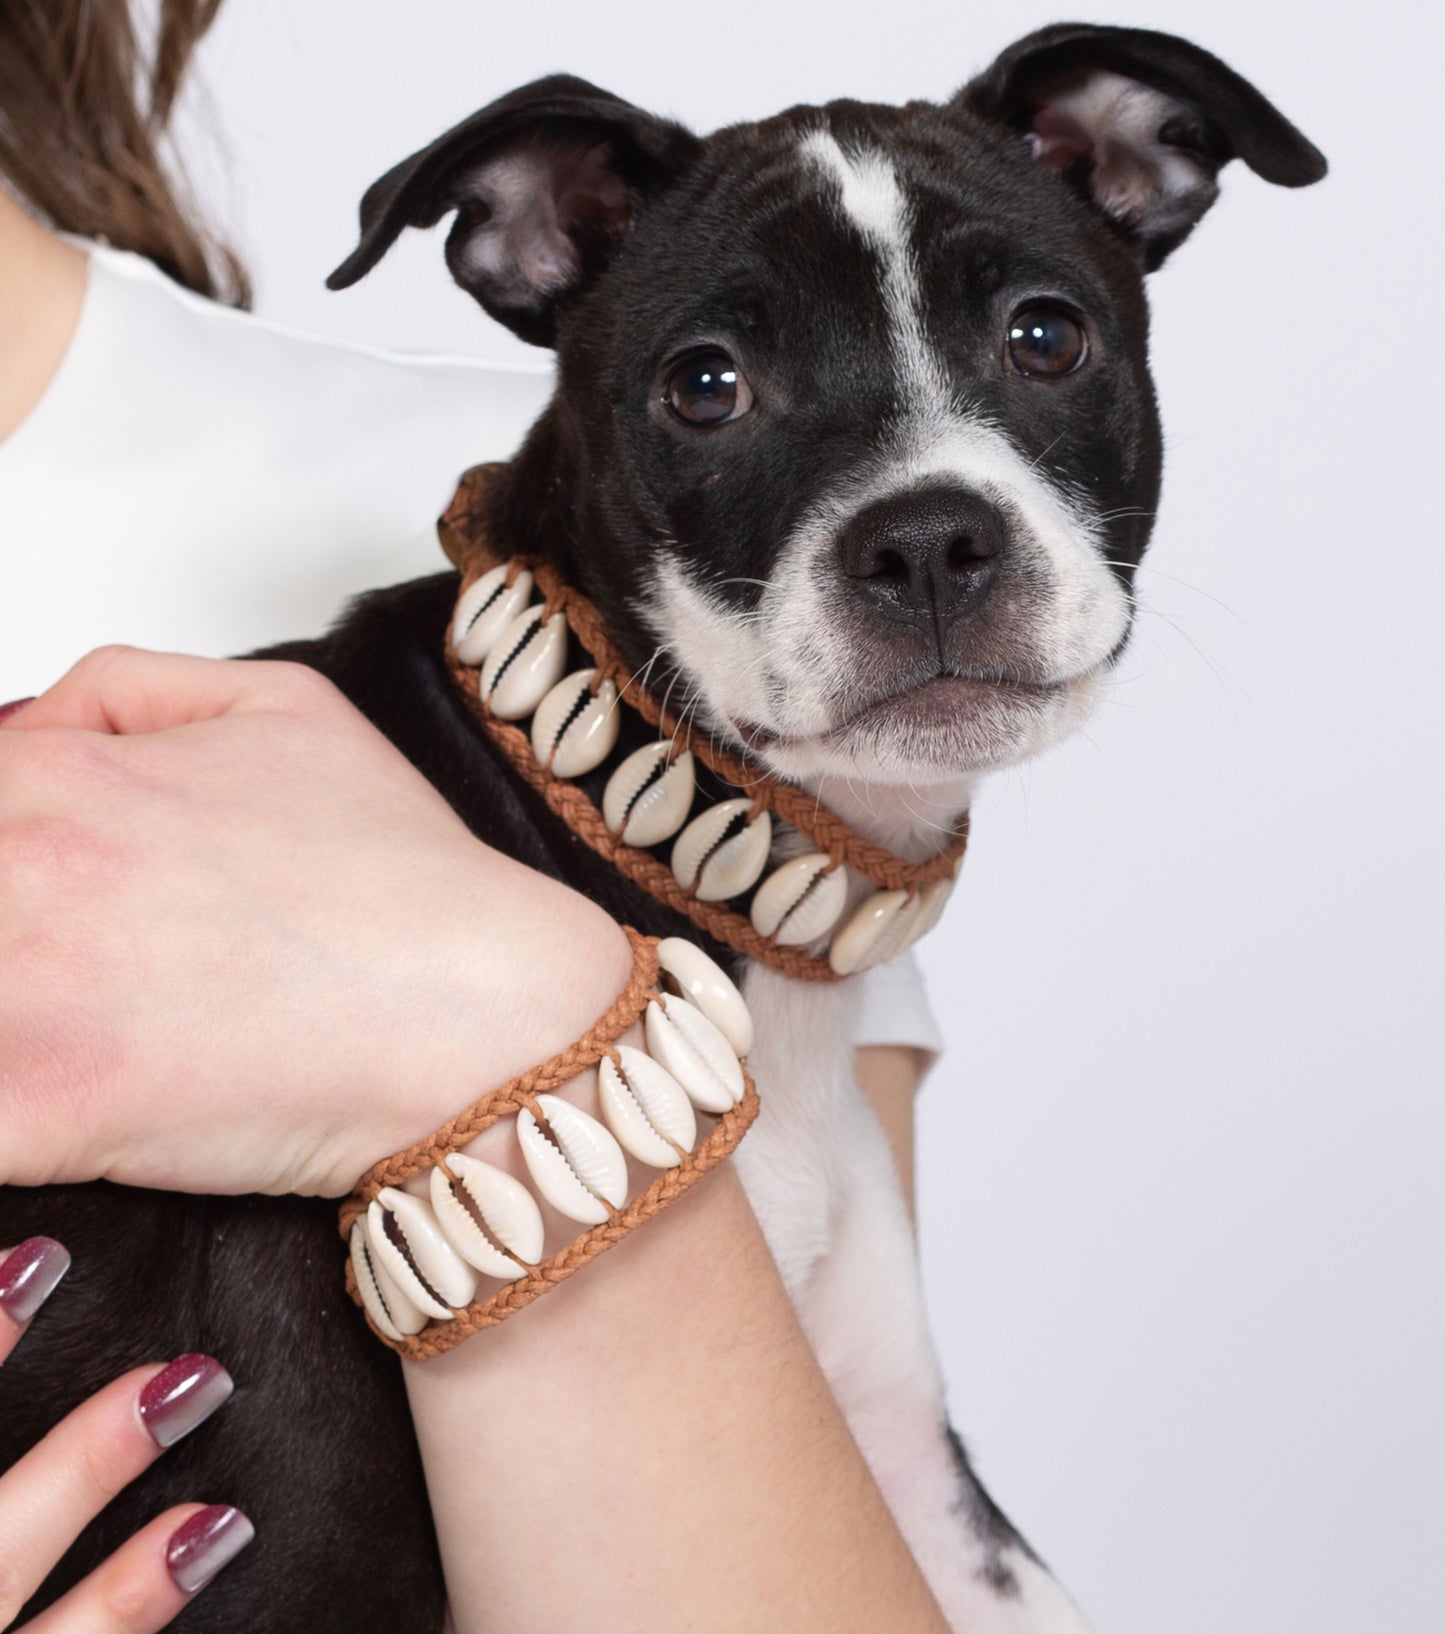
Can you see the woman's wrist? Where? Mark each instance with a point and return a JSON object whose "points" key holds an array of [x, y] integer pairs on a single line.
{"points": [[525, 967]]}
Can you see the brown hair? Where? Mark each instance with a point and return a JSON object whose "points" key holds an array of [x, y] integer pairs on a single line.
{"points": [[84, 105]]}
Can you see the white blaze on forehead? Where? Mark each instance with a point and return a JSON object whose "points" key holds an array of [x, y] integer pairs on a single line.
{"points": [[872, 201], [870, 195]]}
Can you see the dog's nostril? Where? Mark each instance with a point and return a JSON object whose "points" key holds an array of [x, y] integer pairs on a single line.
{"points": [[964, 553], [890, 565]]}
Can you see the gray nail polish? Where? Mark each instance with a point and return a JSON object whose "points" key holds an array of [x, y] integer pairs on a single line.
{"points": [[210, 1539], [182, 1396], [30, 1276]]}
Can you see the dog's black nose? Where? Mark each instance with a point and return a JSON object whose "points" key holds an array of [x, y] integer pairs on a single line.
{"points": [[924, 557]]}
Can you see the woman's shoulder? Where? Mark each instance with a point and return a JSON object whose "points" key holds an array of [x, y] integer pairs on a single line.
{"points": [[163, 392], [233, 361], [208, 480]]}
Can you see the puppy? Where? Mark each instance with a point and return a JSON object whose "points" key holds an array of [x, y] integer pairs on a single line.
{"points": [[855, 448]]}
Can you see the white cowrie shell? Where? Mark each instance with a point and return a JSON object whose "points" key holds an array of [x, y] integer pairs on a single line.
{"points": [[574, 726], [385, 1303], [646, 1108], [867, 937], [505, 1195], [716, 863], [865, 928], [509, 1209], [583, 1167], [437, 1262], [932, 900], [485, 611], [801, 900], [646, 798], [526, 661], [391, 1259], [708, 986], [900, 934], [696, 1053]]}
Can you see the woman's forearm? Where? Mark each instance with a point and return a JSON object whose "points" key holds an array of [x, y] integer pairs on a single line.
{"points": [[653, 1447]]}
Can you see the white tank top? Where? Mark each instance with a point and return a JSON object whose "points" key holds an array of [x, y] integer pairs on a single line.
{"points": [[200, 480]]}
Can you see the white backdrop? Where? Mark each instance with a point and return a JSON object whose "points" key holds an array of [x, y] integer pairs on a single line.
{"points": [[1181, 1169]]}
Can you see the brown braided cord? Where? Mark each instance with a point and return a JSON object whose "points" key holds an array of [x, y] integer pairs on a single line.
{"points": [[598, 1041], [464, 535]]}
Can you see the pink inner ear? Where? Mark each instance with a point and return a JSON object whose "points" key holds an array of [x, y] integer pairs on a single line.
{"points": [[1115, 121], [1057, 139], [537, 195]]}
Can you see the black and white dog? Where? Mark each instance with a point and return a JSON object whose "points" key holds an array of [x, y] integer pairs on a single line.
{"points": [[855, 446]]}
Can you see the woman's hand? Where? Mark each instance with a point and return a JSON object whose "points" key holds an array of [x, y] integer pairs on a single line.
{"points": [[48, 1498], [246, 945]]}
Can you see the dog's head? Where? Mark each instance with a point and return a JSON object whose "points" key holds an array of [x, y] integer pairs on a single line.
{"points": [[854, 438]]}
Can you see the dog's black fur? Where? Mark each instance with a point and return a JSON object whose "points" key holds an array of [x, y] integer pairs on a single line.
{"points": [[677, 241]]}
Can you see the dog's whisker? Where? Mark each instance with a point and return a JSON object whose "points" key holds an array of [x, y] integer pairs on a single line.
{"points": [[1187, 584], [1044, 453], [762, 584]]}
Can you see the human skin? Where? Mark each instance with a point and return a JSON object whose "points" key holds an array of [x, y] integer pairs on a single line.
{"points": [[180, 906], [42, 286], [673, 1455], [185, 794]]}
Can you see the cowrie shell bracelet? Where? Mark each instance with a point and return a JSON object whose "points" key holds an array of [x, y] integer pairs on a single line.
{"points": [[508, 654], [430, 1271]]}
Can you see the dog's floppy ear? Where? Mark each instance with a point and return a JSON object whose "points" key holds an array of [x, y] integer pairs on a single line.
{"points": [[544, 183], [1139, 123]]}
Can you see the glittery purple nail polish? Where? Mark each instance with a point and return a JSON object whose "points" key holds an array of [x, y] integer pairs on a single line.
{"points": [[183, 1396], [210, 1539], [9, 709], [30, 1275]]}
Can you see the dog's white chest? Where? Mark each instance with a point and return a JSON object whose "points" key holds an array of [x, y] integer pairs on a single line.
{"points": [[820, 1178], [794, 1162]]}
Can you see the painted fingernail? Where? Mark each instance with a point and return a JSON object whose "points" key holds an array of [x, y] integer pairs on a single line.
{"points": [[210, 1539], [9, 709], [182, 1396], [31, 1275]]}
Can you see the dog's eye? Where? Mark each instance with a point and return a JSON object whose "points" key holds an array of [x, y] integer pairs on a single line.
{"points": [[706, 389], [1046, 341]]}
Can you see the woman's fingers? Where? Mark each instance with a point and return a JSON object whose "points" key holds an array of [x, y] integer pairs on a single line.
{"points": [[29, 1275], [127, 690], [62, 1483], [149, 1579]]}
